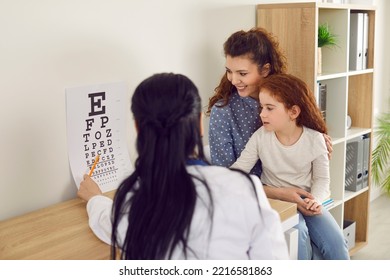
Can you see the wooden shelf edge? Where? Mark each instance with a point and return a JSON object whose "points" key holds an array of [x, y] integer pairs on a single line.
{"points": [[358, 246], [348, 195]]}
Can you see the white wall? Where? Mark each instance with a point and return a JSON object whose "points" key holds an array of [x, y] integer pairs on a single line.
{"points": [[382, 66], [46, 46]]}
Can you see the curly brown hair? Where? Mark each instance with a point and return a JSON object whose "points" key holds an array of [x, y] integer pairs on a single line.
{"points": [[261, 47]]}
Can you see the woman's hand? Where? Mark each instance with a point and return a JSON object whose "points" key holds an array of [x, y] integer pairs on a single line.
{"points": [[289, 194], [329, 146], [88, 188]]}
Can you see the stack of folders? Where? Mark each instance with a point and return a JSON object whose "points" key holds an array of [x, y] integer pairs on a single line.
{"points": [[358, 53], [328, 203], [357, 163]]}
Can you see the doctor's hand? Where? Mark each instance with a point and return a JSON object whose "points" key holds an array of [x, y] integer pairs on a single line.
{"points": [[88, 188]]}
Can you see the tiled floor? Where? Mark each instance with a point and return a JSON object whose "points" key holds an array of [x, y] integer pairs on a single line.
{"points": [[378, 247]]}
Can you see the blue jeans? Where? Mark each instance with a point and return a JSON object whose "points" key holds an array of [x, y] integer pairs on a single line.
{"points": [[320, 237]]}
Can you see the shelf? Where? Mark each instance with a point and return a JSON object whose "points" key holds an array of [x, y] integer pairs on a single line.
{"points": [[337, 140], [335, 204], [356, 132], [360, 72], [348, 195], [328, 76]]}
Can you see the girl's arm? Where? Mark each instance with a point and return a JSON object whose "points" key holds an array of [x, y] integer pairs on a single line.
{"points": [[250, 155], [321, 178], [320, 175]]}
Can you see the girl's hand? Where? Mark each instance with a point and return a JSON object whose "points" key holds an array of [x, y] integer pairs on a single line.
{"points": [[294, 195], [290, 194], [313, 206], [88, 188]]}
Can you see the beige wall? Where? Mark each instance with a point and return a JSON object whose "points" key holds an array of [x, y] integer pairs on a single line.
{"points": [[46, 46]]}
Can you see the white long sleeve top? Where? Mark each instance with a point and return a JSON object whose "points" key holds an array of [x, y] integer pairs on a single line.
{"points": [[304, 164], [244, 225]]}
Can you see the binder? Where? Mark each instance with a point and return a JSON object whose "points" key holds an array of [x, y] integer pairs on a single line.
{"points": [[365, 40], [356, 41], [354, 165], [366, 157], [322, 99]]}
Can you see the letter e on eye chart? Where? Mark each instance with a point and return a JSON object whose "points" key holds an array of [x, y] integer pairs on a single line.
{"points": [[96, 130]]}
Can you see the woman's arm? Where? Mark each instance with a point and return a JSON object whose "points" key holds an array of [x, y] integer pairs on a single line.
{"points": [[220, 138], [88, 188], [98, 209], [99, 214]]}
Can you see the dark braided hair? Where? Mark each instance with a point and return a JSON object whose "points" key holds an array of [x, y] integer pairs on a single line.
{"points": [[159, 198]]}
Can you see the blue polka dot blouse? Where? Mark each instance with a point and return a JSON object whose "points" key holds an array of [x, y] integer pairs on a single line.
{"points": [[231, 127]]}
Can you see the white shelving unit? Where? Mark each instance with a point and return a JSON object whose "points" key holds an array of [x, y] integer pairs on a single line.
{"points": [[348, 92]]}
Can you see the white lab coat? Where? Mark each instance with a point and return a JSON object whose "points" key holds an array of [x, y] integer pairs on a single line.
{"points": [[243, 227]]}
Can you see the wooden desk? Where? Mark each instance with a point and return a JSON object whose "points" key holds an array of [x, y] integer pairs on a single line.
{"points": [[285, 209], [289, 216], [59, 232]]}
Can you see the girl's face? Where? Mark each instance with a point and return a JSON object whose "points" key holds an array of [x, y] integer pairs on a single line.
{"points": [[244, 75], [274, 115]]}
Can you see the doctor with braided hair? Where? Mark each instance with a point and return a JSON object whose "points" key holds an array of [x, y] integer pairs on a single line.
{"points": [[175, 205]]}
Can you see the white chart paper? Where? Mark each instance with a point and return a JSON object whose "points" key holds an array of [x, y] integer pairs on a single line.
{"points": [[96, 125]]}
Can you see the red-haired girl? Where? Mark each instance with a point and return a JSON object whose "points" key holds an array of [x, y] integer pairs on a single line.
{"points": [[293, 152]]}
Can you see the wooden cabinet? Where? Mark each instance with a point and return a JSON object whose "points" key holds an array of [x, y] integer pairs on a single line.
{"points": [[349, 92]]}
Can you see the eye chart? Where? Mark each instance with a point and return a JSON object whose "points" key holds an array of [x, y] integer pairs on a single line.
{"points": [[96, 126]]}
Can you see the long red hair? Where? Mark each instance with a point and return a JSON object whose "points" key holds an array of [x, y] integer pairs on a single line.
{"points": [[290, 91]]}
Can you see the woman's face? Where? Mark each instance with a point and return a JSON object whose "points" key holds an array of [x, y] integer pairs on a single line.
{"points": [[244, 75]]}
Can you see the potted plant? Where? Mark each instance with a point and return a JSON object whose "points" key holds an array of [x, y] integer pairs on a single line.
{"points": [[325, 39], [380, 167]]}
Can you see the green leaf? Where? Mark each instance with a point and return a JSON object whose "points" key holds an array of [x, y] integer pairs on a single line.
{"points": [[325, 37]]}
